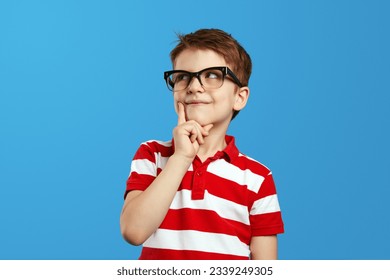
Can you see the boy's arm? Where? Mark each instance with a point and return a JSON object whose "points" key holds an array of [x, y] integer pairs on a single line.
{"points": [[144, 211], [264, 247]]}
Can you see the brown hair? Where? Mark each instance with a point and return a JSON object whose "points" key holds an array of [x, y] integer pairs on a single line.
{"points": [[223, 44]]}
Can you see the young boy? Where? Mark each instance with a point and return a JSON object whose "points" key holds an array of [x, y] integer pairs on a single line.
{"points": [[197, 196]]}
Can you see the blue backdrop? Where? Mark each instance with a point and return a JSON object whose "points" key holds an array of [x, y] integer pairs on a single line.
{"points": [[81, 87]]}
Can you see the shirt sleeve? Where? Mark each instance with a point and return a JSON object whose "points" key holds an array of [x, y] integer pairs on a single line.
{"points": [[265, 216], [143, 169]]}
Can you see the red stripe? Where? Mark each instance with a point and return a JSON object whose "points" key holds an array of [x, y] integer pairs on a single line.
{"points": [[227, 189], [217, 186], [147, 149], [138, 181], [164, 150], [267, 224], [244, 163], [205, 221], [144, 152], [186, 181]]}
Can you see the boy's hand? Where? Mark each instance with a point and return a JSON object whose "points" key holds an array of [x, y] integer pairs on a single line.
{"points": [[188, 135]]}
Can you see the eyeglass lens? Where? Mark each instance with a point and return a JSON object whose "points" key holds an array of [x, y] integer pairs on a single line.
{"points": [[209, 79]]}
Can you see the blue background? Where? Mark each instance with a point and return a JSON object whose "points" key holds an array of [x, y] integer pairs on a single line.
{"points": [[81, 87]]}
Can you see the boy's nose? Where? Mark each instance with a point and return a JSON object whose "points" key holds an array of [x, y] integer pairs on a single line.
{"points": [[195, 85]]}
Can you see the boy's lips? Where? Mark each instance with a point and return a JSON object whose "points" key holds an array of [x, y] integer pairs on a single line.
{"points": [[196, 102]]}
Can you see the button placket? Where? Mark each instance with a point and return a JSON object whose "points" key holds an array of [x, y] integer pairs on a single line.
{"points": [[199, 178], [198, 183]]}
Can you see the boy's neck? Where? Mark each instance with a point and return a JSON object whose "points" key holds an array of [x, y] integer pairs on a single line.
{"points": [[213, 143]]}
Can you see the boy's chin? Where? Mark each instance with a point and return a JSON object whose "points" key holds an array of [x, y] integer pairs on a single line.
{"points": [[201, 121]]}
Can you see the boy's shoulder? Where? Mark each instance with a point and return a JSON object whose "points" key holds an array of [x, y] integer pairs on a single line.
{"points": [[246, 162], [156, 147], [243, 161], [157, 144], [154, 151]]}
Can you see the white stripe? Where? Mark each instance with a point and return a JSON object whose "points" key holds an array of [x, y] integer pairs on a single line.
{"points": [[143, 166], [268, 204], [230, 172], [160, 160], [162, 143], [146, 167], [197, 241], [223, 207]]}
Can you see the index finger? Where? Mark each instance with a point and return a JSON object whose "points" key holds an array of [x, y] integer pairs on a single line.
{"points": [[181, 113]]}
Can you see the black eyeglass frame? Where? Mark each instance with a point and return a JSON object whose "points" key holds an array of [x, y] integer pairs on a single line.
{"points": [[225, 71]]}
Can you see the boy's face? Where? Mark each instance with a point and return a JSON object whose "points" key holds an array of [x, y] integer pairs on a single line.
{"points": [[208, 106]]}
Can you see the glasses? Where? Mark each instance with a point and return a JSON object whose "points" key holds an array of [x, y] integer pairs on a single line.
{"points": [[209, 78]]}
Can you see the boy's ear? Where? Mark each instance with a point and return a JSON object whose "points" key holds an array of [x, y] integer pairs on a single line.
{"points": [[241, 98]]}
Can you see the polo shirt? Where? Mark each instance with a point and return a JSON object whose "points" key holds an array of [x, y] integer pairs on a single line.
{"points": [[220, 204]]}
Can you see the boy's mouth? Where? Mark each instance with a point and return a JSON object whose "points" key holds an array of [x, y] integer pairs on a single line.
{"points": [[196, 102]]}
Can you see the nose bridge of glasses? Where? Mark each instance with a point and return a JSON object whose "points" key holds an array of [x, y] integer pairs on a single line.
{"points": [[197, 75]]}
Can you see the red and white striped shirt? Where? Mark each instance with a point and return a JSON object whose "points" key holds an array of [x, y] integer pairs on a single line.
{"points": [[220, 204]]}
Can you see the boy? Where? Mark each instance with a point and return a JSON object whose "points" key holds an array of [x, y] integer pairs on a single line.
{"points": [[197, 196]]}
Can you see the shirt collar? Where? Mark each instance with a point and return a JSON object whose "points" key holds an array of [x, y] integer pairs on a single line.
{"points": [[231, 151]]}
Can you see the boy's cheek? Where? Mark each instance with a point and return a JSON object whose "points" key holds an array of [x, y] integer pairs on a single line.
{"points": [[176, 99]]}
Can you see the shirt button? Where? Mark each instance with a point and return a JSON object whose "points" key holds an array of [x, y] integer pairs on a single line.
{"points": [[199, 173]]}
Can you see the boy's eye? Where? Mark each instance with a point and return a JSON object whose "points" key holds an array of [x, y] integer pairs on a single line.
{"points": [[181, 77], [212, 75]]}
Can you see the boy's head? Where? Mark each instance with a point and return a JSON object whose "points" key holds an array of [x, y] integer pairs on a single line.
{"points": [[221, 43]]}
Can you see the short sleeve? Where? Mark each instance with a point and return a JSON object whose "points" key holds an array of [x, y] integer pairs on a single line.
{"points": [[143, 169], [265, 215]]}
